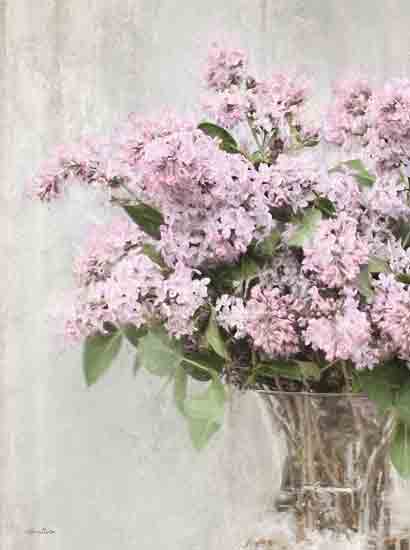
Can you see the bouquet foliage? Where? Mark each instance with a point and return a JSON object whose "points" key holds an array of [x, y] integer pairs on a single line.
{"points": [[241, 252]]}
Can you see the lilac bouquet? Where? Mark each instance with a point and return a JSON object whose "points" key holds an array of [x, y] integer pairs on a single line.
{"points": [[240, 253]]}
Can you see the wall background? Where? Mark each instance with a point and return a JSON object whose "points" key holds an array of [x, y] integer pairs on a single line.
{"points": [[112, 468]]}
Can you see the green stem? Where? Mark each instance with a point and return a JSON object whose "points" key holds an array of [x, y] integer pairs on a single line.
{"points": [[347, 377], [406, 240], [208, 370], [129, 191], [244, 154], [255, 135], [272, 137]]}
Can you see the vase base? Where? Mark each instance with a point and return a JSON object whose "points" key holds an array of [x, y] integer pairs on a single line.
{"points": [[319, 541]]}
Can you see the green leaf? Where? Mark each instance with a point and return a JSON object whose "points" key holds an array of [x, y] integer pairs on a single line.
{"points": [[402, 231], [378, 391], [403, 278], [394, 372], [383, 383], [159, 354], [136, 366], [309, 369], [201, 432], [223, 276], [400, 449], [214, 337], [205, 412], [281, 214], [201, 365], [365, 180], [226, 141], [180, 388], [360, 172], [378, 265], [266, 248], [326, 206], [364, 283], [146, 217], [355, 164], [356, 383], [249, 269], [99, 352], [402, 403], [293, 370], [231, 276], [310, 142], [133, 334], [256, 158], [306, 227], [152, 253], [208, 405]]}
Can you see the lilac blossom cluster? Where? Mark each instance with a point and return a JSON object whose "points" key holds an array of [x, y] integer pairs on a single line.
{"points": [[212, 202], [337, 292], [375, 120], [274, 109], [117, 284], [336, 252]]}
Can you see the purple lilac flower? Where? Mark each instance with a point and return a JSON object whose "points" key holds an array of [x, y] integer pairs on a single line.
{"points": [[211, 200], [390, 125], [105, 245], [291, 180], [391, 314], [227, 108], [336, 252], [225, 68], [347, 118], [345, 336]]}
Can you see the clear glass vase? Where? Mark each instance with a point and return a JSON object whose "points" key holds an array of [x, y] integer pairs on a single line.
{"points": [[337, 475]]}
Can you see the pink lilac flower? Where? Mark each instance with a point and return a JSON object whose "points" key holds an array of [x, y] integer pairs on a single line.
{"points": [[105, 245], [225, 67], [227, 108], [268, 317], [124, 297], [322, 306], [104, 162], [307, 130], [336, 252], [271, 322], [388, 196], [345, 337], [211, 201], [343, 190], [179, 298], [80, 161], [291, 180], [347, 118], [129, 140], [391, 314], [86, 314], [283, 271], [231, 314], [137, 293], [390, 130], [398, 257], [277, 101]]}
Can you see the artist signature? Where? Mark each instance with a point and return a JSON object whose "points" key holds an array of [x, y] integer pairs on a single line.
{"points": [[42, 531]]}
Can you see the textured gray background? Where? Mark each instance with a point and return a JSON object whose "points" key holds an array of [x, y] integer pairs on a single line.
{"points": [[112, 468]]}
